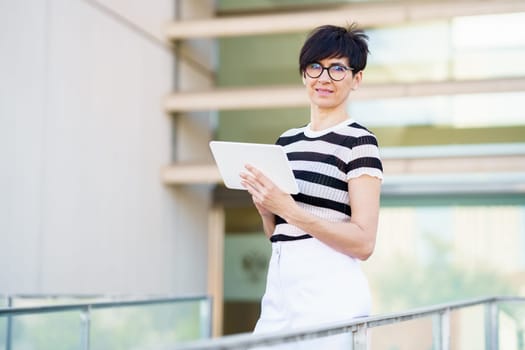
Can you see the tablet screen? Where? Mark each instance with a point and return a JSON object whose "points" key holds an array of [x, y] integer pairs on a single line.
{"points": [[271, 160]]}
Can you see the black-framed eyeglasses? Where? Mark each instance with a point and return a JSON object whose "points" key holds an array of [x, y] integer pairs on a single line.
{"points": [[336, 72]]}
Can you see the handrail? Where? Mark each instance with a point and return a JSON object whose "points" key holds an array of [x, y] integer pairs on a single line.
{"points": [[356, 326], [24, 310]]}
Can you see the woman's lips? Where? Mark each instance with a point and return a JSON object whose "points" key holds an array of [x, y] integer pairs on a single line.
{"points": [[324, 92]]}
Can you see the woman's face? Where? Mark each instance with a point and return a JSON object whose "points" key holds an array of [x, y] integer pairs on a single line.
{"points": [[326, 93]]}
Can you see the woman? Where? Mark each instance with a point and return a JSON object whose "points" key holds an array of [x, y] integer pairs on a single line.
{"points": [[320, 235]]}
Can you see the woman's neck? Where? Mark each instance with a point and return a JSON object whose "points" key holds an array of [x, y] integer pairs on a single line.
{"points": [[321, 119]]}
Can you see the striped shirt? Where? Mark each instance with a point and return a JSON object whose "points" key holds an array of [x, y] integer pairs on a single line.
{"points": [[322, 163]]}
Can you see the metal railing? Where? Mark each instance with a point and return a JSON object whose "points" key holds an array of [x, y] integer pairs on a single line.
{"points": [[86, 308], [357, 328]]}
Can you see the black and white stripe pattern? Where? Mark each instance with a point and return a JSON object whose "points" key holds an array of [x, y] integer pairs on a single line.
{"points": [[322, 163]]}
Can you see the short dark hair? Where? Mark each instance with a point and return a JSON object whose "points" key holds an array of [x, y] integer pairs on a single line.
{"points": [[331, 41]]}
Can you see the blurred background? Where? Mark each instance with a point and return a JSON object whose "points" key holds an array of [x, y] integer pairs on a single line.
{"points": [[107, 185]]}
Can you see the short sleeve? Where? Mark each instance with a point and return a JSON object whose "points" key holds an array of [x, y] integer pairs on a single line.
{"points": [[365, 159]]}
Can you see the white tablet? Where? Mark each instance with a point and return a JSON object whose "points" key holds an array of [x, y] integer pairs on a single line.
{"points": [[271, 160]]}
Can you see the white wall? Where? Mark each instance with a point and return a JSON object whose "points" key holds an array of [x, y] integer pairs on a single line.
{"points": [[83, 137]]}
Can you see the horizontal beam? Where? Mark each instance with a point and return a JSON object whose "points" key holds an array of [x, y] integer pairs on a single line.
{"points": [[188, 174], [191, 174], [367, 15], [295, 96]]}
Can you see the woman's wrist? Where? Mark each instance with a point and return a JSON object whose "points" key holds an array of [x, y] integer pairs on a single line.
{"points": [[295, 216], [269, 216]]}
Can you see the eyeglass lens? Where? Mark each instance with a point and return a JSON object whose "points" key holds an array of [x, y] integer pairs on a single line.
{"points": [[336, 72]]}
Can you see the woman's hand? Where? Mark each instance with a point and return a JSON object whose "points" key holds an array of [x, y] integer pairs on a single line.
{"points": [[267, 197]]}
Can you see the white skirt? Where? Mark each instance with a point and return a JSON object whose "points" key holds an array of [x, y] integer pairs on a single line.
{"points": [[309, 284]]}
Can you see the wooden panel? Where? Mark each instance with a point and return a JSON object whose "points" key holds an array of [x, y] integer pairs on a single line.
{"points": [[216, 266]]}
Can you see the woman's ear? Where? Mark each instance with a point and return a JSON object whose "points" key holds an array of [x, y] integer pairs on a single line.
{"points": [[357, 78], [303, 79]]}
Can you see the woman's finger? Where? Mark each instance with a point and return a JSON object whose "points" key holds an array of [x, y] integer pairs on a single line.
{"points": [[259, 176], [249, 179], [252, 175], [252, 188]]}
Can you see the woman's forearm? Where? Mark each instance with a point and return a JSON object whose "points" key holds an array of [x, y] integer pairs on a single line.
{"points": [[348, 238], [355, 237]]}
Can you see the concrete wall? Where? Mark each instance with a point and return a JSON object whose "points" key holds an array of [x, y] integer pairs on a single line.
{"points": [[83, 137]]}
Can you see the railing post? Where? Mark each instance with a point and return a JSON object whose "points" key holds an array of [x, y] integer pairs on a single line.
{"points": [[206, 316], [359, 338], [492, 326], [85, 327], [9, 325], [441, 330]]}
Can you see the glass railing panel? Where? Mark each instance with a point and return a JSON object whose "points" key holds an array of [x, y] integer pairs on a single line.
{"points": [[408, 335], [511, 320], [148, 326], [57, 331], [467, 326], [108, 323], [3, 332]]}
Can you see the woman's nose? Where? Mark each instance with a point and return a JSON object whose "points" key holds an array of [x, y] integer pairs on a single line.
{"points": [[324, 76]]}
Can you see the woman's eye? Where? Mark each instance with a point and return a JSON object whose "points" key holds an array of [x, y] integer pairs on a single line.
{"points": [[339, 69]]}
